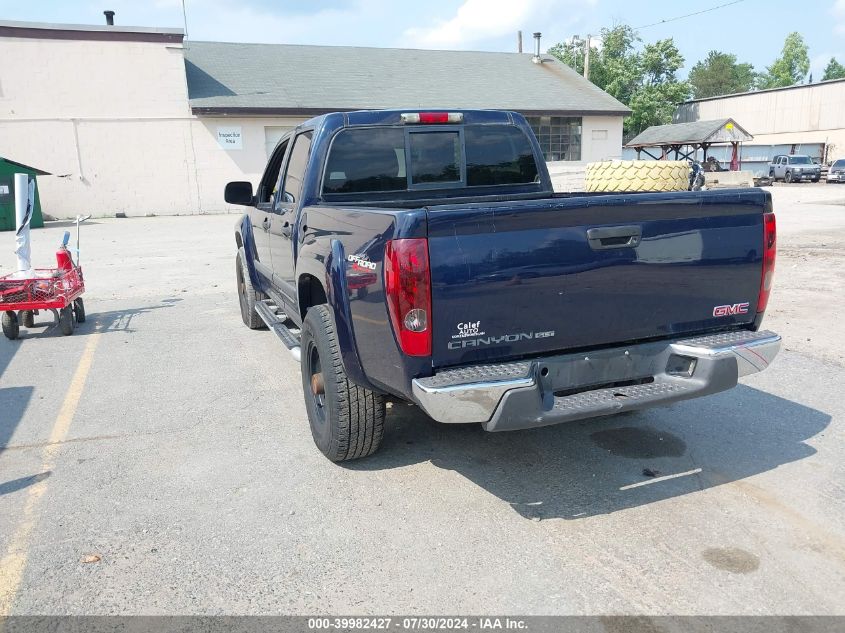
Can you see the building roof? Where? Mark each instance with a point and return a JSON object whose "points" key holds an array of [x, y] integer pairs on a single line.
{"points": [[717, 131], [295, 79], [46, 30], [815, 84], [34, 170]]}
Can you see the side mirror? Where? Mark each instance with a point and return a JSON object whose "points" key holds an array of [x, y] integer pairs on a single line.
{"points": [[239, 192]]}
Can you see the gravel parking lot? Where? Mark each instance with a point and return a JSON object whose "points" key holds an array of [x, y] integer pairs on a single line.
{"points": [[168, 445]]}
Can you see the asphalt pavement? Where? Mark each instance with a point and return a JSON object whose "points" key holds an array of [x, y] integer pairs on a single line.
{"points": [[159, 461]]}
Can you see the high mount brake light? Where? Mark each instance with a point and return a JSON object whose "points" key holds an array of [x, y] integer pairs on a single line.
{"points": [[407, 284], [769, 252], [432, 117]]}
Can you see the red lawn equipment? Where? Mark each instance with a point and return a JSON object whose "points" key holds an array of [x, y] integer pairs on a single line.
{"points": [[25, 293]]}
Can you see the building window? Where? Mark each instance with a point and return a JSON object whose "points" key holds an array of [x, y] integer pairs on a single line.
{"points": [[559, 136]]}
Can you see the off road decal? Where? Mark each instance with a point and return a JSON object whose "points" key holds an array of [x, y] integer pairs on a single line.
{"points": [[361, 261]]}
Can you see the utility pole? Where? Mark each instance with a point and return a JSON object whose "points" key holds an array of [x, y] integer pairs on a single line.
{"points": [[587, 58], [185, 18]]}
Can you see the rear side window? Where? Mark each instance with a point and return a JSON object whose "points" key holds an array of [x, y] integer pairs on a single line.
{"points": [[367, 160], [498, 155]]}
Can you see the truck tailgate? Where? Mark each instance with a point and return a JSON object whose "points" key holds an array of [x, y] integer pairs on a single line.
{"points": [[511, 279]]}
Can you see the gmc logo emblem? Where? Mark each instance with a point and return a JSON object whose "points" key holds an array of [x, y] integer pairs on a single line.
{"points": [[737, 308]]}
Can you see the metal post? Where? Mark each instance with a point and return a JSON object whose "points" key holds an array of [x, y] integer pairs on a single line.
{"points": [[587, 58], [185, 18], [519, 41], [24, 203], [79, 220]]}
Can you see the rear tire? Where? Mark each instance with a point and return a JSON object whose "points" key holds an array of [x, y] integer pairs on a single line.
{"points": [[11, 328], [79, 310], [27, 318], [347, 421], [66, 321], [247, 294]]}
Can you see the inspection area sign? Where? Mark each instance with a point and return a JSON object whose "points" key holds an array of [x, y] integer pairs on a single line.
{"points": [[230, 137]]}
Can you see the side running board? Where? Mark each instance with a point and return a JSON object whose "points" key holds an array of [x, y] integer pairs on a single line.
{"points": [[278, 322]]}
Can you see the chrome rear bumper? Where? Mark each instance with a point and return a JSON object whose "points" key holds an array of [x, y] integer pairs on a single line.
{"points": [[551, 390]]}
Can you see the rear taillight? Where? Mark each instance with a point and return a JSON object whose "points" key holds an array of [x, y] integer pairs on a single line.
{"points": [[407, 283], [769, 251]]}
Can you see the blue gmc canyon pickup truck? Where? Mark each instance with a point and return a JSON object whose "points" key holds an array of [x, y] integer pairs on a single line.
{"points": [[423, 256]]}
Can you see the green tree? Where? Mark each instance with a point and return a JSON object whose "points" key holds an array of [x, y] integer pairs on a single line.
{"points": [[646, 80], [571, 53], [833, 70], [720, 74], [791, 67], [654, 100], [617, 68], [614, 66]]}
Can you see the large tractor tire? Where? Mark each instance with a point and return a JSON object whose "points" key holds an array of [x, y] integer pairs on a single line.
{"points": [[616, 176]]}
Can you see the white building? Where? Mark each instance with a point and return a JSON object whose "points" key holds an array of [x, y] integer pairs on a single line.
{"points": [[805, 119], [138, 121]]}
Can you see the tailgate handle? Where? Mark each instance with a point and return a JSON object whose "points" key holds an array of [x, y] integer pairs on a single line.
{"points": [[614, 237]]}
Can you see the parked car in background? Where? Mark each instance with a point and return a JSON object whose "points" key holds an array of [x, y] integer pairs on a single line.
{"points": [[836, 172], [794, 168]]}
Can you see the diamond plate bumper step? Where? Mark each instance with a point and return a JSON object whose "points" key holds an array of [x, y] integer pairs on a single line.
{"points": [[615, 397], [520, 394]]}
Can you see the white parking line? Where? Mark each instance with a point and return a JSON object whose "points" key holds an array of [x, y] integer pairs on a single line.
{"points": [[694, 471], [13, 563]]}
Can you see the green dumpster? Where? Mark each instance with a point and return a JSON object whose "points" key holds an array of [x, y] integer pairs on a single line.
{"points": [[8, 169]]}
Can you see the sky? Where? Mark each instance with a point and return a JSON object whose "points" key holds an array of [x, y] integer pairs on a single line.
{"points": [[753, 30]]}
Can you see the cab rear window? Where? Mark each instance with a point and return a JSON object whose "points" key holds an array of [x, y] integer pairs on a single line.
{"points": [[387, 159], [435, 157]]}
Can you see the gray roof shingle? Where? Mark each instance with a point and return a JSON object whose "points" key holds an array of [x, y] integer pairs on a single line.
{"points": [[310, 79], [694, 132]]}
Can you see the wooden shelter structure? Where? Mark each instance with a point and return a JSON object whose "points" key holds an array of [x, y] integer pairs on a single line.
{"points": [[685, 139]]}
